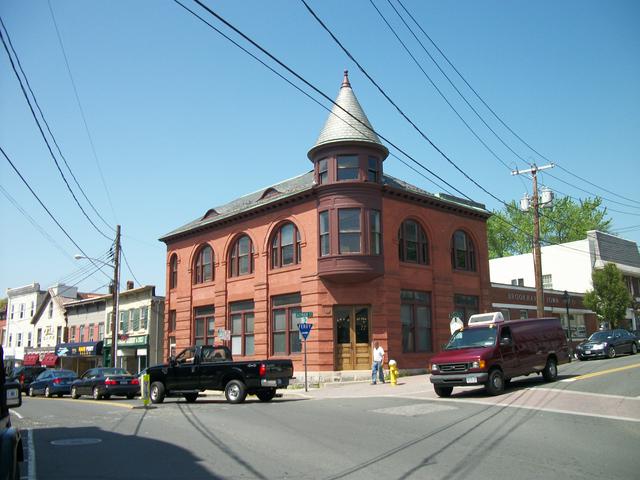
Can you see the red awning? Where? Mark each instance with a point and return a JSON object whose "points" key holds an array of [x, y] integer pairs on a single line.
{"points": [[49, 360], [31, 359]]}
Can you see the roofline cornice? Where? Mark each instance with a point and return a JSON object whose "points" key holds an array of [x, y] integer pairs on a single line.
{"points": [[436, 202]]}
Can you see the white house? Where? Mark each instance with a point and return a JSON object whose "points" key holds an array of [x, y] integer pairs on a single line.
{"points": [[569, 266], [22, 303]]}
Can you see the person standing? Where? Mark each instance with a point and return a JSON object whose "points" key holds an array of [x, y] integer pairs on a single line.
{"points": [[378, 360]]}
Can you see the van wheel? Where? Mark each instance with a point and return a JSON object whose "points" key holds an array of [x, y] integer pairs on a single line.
{"points": [[550, 372], [495, 384], [611, 352], [235, 391], [443, 392], [156, 392]]}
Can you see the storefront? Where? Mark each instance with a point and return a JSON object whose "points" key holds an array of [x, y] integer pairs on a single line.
{"points": [[79, 357], [132, 353]]}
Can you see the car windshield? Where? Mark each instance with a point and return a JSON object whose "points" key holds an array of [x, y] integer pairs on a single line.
{"points": [[600, 336], [114, 371], [472, 338]]}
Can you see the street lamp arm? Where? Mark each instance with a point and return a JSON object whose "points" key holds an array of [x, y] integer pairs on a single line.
{"points": [[77, 256]]}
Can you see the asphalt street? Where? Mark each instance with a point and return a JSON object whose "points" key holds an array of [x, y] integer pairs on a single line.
{"points": [[585, 425]]}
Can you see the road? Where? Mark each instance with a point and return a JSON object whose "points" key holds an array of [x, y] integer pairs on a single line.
{"points": [[585, 425]]}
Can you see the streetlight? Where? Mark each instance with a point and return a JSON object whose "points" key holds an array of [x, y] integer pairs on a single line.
{"points": [[566, 303], [116, 293]]}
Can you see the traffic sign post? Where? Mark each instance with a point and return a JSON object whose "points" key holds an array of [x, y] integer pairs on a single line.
{"points": [[305, 329]]}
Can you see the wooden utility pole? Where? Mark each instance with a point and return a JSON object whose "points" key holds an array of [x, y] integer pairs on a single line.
{"points": [[116, 299], [537, 255]]}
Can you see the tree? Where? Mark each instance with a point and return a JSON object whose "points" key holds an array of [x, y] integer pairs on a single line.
{"points": [[609, 298], [565, 221]]}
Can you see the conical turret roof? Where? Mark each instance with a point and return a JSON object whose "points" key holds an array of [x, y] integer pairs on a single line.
{"points": [[341, 127]]}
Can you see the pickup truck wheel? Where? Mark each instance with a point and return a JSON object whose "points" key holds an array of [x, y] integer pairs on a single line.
{"points": [[74, 393], [443, 392], [550, 372], [235, 391], [156, 392], [266, 395], [495, 384], [191, 397]]}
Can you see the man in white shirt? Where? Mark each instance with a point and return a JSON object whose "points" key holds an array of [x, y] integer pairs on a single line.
{"points": [[378, 359]]}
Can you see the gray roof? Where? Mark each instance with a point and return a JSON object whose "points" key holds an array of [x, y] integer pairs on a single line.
{"points": [[615, 249], [297, 185], [342, 127]]}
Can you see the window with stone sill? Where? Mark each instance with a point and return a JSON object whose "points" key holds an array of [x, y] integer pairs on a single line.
{"points": [[173, 271], [241, 257], [241, 318], [349, 230], [286, 336], [373, 169], [204, 321], [286, 246], [463, 255], [325, 239], [203, 267], [412, 243]]}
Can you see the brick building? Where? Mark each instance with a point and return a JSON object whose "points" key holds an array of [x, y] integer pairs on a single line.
{"points": [[370, 256]]}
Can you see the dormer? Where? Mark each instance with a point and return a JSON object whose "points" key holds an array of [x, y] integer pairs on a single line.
{"points": [[347, 149]]}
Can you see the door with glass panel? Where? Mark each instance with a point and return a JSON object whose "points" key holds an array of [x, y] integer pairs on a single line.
{"points": [[353, 344]]}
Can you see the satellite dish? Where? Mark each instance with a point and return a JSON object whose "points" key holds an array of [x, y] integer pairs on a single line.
{"points": [[455, 325]]}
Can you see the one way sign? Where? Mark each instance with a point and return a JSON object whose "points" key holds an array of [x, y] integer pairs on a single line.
{"points": [[305, 328]]}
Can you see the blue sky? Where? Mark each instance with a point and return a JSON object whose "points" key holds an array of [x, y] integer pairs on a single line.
{"points": [[182, 121]]}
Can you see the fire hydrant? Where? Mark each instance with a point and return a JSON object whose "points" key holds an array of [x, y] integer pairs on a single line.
{"points": [[393, 372]]}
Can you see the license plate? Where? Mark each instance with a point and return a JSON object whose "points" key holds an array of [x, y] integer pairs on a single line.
{"points": [[472, 380], [588, 352]]}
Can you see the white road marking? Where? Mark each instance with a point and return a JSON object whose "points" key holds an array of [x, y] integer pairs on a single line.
{"points": [[575, 392], [32, 455], [16, 414], [415, 410]]}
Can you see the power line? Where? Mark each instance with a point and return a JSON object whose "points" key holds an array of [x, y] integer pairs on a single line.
{"points": [[313, 87], [37, 226], [33, 113], [494, 113], [129, 266], [47, 210], [306, 82], [84, 119]]}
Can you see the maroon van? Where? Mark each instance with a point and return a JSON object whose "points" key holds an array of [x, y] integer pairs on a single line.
{"points": [[491, 351]]}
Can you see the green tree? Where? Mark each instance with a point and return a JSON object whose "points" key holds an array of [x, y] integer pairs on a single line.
{"points": [[609, 298], [565, 221]]}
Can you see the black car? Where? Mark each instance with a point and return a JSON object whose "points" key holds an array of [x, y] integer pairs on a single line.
{"points": [[25, 375], [103, 382], [11, 453], [52, 382], [607, 343]]}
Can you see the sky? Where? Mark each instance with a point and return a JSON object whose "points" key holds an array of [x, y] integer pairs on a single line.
{"points": [[162, 118]]}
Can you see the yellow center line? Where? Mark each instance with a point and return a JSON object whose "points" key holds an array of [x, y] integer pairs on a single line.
{"points": [[604, 372]]}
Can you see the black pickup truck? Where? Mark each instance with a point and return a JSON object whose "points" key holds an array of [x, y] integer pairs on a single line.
{"points": [[207, 367]]}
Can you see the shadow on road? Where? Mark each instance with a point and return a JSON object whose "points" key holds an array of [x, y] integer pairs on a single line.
{"points": [[111, 455], [223, 401]]}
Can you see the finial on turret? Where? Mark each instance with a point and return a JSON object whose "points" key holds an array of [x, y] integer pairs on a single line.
{"points": [[345, 80]]}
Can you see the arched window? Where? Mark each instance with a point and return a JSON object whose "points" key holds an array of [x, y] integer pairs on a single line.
{"points": [[241, 259], [173, 271], [412, 243], [463, 253], [285, 246], [203, 271]]}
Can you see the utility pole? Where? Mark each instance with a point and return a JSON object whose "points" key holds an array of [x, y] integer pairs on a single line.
{"points": [[537, 256], [116, 299]]}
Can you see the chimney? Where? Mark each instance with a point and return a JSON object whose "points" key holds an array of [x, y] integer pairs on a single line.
{"points": [[129, 284]]}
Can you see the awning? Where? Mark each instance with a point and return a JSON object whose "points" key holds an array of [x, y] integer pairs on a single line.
{"points": [[31, 359], [82, 349], [49, 360]]}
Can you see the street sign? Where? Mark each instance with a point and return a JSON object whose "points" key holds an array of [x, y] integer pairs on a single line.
{"points": [[305, 328], [304, 314]]}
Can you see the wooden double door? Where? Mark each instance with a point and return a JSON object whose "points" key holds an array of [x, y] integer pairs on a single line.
{"points": [[353, 338]]}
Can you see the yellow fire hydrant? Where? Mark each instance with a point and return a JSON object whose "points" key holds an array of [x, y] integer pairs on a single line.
{"points": [[393, 372]]}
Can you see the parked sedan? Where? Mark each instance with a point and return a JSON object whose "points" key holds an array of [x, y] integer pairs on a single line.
{"points": [[104, 382], [607, 343], [52, 382]]}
